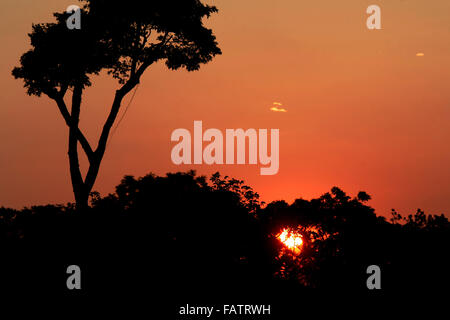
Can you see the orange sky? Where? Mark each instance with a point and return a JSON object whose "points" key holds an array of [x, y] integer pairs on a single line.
{"points": [[363, 111]]}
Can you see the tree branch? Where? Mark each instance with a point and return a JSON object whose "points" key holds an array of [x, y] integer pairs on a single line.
{"points": [[120, 94], [75, 173], [81, 138]]}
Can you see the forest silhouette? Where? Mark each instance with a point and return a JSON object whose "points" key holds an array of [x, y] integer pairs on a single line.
{"points": [[182, 231]]}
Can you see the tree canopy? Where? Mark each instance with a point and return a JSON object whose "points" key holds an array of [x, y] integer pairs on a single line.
{"points": [[123, 39]]}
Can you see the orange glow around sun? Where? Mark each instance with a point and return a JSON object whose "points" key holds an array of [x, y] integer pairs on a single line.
{"points": [[291, 239]]}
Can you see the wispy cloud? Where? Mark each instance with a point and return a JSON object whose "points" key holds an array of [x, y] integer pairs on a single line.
{"points": [[277, 107]]}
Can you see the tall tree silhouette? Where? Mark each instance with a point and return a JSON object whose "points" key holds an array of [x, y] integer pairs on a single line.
{"points": [[123, 38]]}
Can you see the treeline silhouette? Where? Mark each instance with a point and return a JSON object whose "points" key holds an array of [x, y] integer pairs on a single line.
{"points": [[186, 235]]}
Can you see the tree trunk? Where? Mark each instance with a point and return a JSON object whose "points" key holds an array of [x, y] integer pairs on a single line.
{"points": [[82, 188], [79, 190], [82, 200]]}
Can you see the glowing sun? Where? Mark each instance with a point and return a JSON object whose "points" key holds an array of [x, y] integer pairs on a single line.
{"points": [[291, 239]]}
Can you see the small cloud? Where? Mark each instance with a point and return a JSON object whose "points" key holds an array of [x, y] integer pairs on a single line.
{"points": [[277, 107], [420, 54]]}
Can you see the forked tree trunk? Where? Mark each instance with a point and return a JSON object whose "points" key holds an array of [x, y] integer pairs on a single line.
{"points": [[79, 190], [82, 188]]}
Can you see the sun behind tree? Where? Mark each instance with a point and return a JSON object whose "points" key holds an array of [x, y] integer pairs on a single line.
{"points": [[293, 240]]}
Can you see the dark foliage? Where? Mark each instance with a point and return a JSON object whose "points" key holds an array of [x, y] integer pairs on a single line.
{"points": [[117, 38], [179, 232]]}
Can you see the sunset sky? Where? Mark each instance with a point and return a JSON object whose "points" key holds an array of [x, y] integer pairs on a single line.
{"points": [[365, 109]]}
